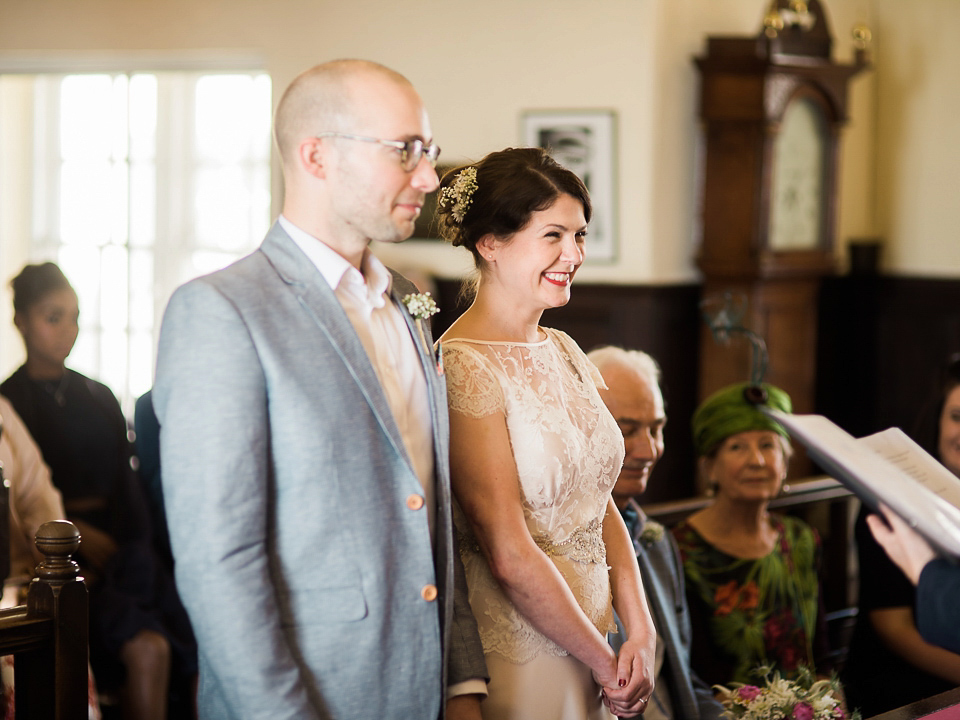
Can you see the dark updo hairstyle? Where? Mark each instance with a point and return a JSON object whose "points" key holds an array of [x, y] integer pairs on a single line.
{"points": [[511, 185], [34, 283]]}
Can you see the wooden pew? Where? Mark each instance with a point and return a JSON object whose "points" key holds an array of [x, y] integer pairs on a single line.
{"points": [[48, 635]]}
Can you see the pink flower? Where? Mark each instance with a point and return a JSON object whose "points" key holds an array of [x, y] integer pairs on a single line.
{"points": [[839, 713], [802, 711], [748, 692]]}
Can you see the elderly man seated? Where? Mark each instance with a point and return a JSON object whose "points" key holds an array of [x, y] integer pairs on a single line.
{"points": [[633, 397]]}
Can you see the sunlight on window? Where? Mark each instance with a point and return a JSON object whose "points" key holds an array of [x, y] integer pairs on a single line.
{"points": [[222, 203], [87, 200], [232, 113], [87, 129], [143, 117], [142, 181]]}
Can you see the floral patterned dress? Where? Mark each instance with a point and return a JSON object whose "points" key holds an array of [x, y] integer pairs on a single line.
{"points": [[568, 451], [749, 613]]}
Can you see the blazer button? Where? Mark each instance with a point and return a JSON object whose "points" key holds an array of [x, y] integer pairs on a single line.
{"points": [[414, 502], [429, 593]]}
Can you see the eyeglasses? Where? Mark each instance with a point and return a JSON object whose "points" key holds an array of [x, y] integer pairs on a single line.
{"points": [[410, 151]]}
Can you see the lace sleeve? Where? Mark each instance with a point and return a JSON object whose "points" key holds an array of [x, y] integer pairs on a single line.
{"points": [[472, 388]]}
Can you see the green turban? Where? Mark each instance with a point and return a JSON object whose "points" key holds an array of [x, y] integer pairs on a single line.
{"points": [[728, 412]]}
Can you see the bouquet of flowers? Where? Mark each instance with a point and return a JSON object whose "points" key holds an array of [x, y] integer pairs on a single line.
{"points": [[779, 699]]}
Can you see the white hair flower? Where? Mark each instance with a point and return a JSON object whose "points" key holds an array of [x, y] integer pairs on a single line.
{"points": [[459, 194]]}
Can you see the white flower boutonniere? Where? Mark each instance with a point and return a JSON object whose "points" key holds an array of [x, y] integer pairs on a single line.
{"points": [[651, 534], [422, 307]]}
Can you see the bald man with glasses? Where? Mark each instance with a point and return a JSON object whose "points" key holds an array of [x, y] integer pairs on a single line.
{"points": [[304, 436]]}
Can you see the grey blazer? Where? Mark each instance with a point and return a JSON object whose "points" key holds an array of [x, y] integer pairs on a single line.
{"points": [[663, 583], [306, 575]]}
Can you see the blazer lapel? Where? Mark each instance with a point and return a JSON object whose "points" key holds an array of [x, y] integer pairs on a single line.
{"points": [[321, 304], [437, 391]]}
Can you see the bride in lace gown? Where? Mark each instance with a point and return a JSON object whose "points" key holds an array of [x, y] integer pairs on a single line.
{"points": [[535, 454]]}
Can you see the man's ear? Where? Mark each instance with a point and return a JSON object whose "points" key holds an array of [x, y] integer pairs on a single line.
{"points": [[312, 156], [19, 321]]}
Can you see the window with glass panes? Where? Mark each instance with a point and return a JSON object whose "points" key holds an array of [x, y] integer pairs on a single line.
{"points": [[141, 181]]}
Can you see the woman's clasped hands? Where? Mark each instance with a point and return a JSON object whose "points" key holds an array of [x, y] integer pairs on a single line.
{"points": [[627, 683]]}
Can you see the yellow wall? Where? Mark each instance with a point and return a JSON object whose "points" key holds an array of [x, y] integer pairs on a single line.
{"points": [[918, 136]]}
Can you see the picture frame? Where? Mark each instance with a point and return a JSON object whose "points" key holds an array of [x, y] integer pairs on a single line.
{"points": [[583, 141]]}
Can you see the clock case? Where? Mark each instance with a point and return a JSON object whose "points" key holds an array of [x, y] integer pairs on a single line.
{"points": [[747, 84]]}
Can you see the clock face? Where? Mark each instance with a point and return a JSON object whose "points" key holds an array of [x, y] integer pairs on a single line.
{"points": [[799, 187]]}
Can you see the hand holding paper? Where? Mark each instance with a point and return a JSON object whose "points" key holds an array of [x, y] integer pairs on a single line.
{"points": [[905, 546]]}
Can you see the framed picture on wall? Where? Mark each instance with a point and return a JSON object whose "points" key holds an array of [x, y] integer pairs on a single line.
{"points": [[583, 141]]}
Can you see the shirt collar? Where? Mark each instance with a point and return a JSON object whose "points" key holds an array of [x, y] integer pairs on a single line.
{"points": [[334, 266]]}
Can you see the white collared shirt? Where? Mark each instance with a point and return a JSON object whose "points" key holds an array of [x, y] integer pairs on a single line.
{"points": [[365, 297]]}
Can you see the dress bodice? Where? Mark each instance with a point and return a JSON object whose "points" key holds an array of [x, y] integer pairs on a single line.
{"points": [[568, 451]]}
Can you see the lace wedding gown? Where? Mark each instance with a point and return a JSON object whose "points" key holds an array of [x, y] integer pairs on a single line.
{"points": [[568, 451]]}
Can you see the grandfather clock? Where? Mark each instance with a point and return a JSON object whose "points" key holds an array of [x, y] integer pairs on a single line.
{"points": [[772, 107]]}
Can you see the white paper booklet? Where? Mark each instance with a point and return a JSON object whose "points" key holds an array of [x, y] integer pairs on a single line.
{"points": [[887, 468]]}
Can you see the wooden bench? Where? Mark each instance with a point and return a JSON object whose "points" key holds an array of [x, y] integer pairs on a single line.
{"points": [[48, 635]]}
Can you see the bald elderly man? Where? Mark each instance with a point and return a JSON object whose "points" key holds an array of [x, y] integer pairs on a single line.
{"points": [[304, 437], [634, 399]]}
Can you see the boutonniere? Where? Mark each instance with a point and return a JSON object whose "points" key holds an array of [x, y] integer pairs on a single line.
{"points": [[651, 534], [422, 307]]}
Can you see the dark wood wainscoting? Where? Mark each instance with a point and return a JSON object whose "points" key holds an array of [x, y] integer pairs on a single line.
{"points": [[882, 344], [662, 320]]}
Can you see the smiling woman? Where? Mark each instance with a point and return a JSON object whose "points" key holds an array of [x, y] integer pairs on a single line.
{"points": [[752, 583], [535, 455]]}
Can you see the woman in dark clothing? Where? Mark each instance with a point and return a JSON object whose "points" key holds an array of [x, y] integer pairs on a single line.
{"points": [[137, 625], [889, 664]]}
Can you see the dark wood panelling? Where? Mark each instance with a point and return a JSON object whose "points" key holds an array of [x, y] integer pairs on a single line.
{"points": [[883, 340], [880, 343]]}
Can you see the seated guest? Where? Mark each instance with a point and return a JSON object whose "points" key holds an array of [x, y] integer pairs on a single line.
{"points": [[751, 575], [147, 430], [890, 664], [33, 501], [137, 624], [634, 399]]}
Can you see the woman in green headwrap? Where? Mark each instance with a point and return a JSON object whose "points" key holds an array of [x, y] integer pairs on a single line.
{"points": [[751, 576]]}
